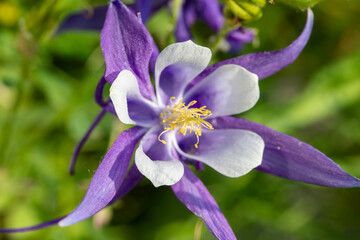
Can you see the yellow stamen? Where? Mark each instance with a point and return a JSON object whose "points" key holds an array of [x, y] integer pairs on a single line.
{"points": [[181, 117]]}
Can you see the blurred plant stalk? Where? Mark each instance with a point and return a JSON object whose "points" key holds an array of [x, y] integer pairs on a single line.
{"points": [[176, 5], [34, 29]]}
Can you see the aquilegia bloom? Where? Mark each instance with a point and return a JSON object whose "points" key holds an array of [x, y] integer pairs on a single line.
{"points": [[228, 90], [232, 146]]}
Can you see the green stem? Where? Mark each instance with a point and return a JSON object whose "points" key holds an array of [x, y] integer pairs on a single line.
{"points": [[215, 45], [8, 125], [198, 228], [177, 4], [176, 10]]}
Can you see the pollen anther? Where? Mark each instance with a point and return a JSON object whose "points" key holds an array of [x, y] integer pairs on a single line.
{"points": [[182, 117]]}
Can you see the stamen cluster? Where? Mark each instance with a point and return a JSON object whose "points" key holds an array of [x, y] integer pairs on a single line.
{"points": [[181, 117]]}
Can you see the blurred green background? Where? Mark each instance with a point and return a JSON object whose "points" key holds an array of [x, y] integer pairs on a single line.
{"points": [[46, 105]]}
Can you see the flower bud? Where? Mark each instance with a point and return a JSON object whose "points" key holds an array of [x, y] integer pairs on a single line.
{"points": [[245, 10]]}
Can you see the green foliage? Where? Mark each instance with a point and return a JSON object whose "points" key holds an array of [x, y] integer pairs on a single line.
{"points": [[332, 88]]}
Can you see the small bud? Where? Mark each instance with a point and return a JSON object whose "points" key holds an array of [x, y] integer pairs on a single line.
{"points": [[245, 10]]}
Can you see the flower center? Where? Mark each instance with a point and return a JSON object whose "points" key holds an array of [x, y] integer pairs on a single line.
{"points": [[182, 117]]}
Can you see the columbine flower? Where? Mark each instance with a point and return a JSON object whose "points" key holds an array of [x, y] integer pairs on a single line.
{"points": [[177, 109], [232, 146]]}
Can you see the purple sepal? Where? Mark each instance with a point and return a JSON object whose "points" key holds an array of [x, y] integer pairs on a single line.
{"points": [[32, 228], [127, 45], [194, 195], [265, 64], [132, 178], [290, 158], [210, 12], [83, 140], [91, 20], [237, 39], [108, 178]]}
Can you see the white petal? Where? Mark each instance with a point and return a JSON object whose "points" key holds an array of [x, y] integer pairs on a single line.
{"points": [[230, 89], [130, 106], [231, 152], [160, 173], [186, 53]]}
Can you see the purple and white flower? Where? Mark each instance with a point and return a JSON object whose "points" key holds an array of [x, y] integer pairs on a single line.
{"points": [[232, 146], [229, 90]]}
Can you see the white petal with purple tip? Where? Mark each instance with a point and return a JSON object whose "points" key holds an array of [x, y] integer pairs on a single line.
{"points": [[160, 173], [186, 53], [229, 90], [231, 152], [130, 106]]}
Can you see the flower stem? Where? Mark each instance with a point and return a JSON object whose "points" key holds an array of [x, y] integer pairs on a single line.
{"points": [[198, 228], [83, 140], [176, 6], [175, 10], [215, 45], [8, 125]]}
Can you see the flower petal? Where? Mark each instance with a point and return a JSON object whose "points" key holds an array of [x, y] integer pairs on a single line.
{"points": [[126, 45], [210, 11], [194, 195], [92, 19], [229, 90], [130, 106], [232, 153], [108, 178], [173, 80], [287, 157], [154, 161], [184, 53], [237, 39], [265, 64]]}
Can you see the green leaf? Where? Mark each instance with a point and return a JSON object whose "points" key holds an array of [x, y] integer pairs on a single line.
{"points": [[56, 89]]}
